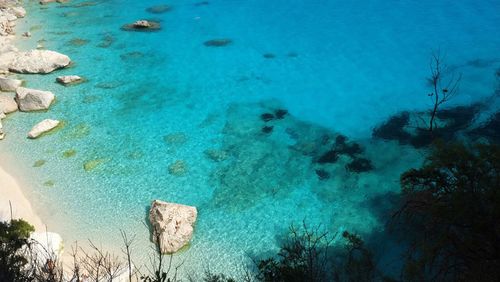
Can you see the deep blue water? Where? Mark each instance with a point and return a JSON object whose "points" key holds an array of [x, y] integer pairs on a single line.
{"points": [[152, 99]]}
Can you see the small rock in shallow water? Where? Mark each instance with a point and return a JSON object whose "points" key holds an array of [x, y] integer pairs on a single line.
{"points": [[142, 25], [269, 56], [43, 127], [216, 155], [69, 79], [359, 165], [217, 42], [322, 174], [178, 168], [267, 117], [267, 129]]}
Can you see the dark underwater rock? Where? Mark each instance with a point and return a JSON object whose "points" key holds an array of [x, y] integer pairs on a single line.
{"points": [[267, 117], [267, 129], [292, 55], [202, 3], [489, 130], [329, 157], [280, 113], [393, 129], [218, 42], [322, 174], [351, 149], [142, 25], [269, 56], [159, 9], [359, 165]]}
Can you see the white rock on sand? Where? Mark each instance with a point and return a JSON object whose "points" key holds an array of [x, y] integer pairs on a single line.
{"points": [[33, 100], [2, 134], [7, 103], [49, 246], [172, 225], [9, 84], [40, 128], [38, 61], [68, 79]]}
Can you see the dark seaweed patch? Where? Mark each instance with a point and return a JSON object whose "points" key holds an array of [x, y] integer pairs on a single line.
{"points": [[393, 129], [329, 157], [267, 129], [359, 165], [322, 174], [267, 117], [217, 42], [280, 113]]}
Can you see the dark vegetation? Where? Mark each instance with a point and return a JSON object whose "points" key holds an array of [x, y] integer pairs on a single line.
{"points": [[453, 202]]}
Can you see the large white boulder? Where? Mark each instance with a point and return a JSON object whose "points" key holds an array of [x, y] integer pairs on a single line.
{"points": [[33, 100], [39, 61], [48, 246], [172, 225], [40, 128], [9, 84], [7, 103]]}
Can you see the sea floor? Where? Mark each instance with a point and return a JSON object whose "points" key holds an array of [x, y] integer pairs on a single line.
{"points": [[162, 115]]}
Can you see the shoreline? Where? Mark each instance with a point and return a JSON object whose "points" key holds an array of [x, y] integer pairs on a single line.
{"points": [[13, 196]]}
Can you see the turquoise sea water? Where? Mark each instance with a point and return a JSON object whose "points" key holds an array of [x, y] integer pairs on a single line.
{"points": [[152, 99]]}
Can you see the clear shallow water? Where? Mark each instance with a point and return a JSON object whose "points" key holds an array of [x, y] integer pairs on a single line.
{"points": [[354, 65]]}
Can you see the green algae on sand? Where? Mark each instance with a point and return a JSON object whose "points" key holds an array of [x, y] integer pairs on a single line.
{"points": [[39, 163], [93, 164]]}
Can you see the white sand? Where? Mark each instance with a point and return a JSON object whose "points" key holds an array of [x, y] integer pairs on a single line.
{"points": [[21, 207]]}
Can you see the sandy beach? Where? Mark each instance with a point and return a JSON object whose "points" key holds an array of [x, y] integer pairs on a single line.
{"points": [[12, 195]]}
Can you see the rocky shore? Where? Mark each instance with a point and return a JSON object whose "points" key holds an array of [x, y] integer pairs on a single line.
{"points": [[13, 98], [14, 61]]}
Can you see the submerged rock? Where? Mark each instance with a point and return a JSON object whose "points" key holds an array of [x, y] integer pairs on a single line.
{"points": [[69, 79], [329, 157], [322, 174], [159, 9], [33, 100], [142, 25], [42, 127], [216, 155], [178, 168], [269, 56], [280, 113], [217, 42], [38, 61], [359, 165], [267, 129], [173, 225], [267, 117]]}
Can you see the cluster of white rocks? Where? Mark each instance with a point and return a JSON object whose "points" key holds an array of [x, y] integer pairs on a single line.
{"points": [[35, 61]]}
